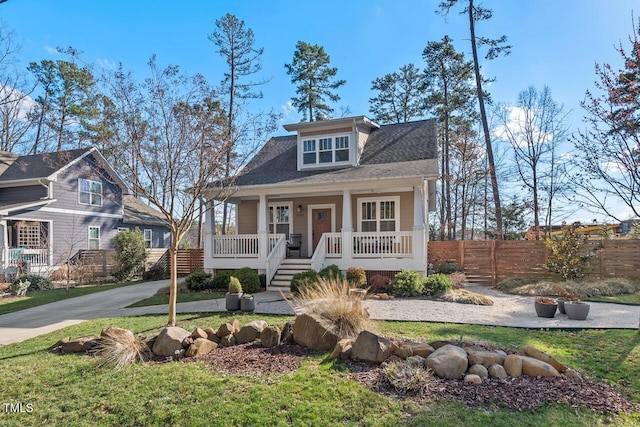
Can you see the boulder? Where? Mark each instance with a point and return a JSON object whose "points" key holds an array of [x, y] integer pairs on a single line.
{"points": [[437, 344], [200, 346], [199, 333], [339, 348], [169, 341], [118, 334], [403, 351], [472, 378], [211, 335], [372, 348], [421, 349], [286, 337], [537, 368], [497, 371], [311, 332], [448, 362], [79, 345], [513, 365], [187, 341], [57, 345], [251, 331], [270, 336], [537, 354], [485, 357], [228, 341], [571, 373], [383, 296], [479, 370], [346, 353], [229, 328]]}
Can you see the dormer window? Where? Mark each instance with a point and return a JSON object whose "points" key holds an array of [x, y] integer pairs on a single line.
{"points": [[325, 150]]}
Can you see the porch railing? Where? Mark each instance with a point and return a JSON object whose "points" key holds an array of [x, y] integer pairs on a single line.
{"points": [[319, 254], [277, 252], [388, 244], [235, 246], [333, 244], [35, 257]]}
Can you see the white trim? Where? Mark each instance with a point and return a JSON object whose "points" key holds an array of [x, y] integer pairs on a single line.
{"points": [[84, 213], [316, 139], [288, 204], [90, 181], [310, 209], [102, 162], [89, 236], [395, 199], [26, 206]]}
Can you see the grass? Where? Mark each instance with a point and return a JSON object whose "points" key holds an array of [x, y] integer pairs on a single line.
{"points": [[73, 390], [184, 295], [36, 298]]}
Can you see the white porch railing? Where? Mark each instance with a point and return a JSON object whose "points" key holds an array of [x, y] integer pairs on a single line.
{"points": [[277, 252], [388, 244], [333, 244], [235, 246], [319, 254], [36, 257]]}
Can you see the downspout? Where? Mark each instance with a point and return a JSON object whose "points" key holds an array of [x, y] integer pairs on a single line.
{"points": [[49, 188]]}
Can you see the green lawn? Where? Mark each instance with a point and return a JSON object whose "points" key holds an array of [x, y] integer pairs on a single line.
{"points": [[36, 298], [71, 390], [182, 297], [632, 299]]}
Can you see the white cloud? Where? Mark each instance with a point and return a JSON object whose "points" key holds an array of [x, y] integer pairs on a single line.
{"points": [[288, 111], [51, 50], [24, 102], [106, 64]]}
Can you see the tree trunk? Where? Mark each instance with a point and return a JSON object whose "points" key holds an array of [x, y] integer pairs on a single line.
{"points": [[173, 286]]}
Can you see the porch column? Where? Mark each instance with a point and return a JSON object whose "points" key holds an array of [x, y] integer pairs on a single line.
{"points": [[209, 228], [419, 240], [347, 226], [4, 248], [263, 244]]}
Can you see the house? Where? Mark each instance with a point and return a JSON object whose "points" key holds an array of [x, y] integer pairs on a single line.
{"points": [[358, 194], [53, 205]]}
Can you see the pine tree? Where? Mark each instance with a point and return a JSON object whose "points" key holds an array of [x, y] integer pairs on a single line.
{"points": [[399, 97]]}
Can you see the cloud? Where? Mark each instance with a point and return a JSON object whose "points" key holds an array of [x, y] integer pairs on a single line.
{"points": [[106, 64], [288, 110], [17, 101], [51, 50]]}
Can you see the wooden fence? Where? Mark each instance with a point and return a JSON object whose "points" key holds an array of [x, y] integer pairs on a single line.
{"points": [[189, 260], [487, 262]]}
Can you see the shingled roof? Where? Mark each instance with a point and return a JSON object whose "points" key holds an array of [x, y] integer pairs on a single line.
{"points": [[39, 165], [137, 212], [392, 151]]}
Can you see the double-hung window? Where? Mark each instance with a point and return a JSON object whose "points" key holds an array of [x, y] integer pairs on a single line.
{"points": [[379, 214], [94, 237], [325, 150], [342, 149], [309, 152], [280, 218], [325, 153], [89, 192], [148, 234]]}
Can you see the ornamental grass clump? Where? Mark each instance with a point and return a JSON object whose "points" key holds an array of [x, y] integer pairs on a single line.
{"points": [[120, 350], [330, 300], [408, 377]]}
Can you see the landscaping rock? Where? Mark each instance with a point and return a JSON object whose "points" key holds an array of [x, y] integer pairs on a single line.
{"points": [[200, 346], [417, 360], [118, 334], [383, 297], [497, 371], [437, 344], [286, 337], [270, 336], [479, 370], [228, 341], [229, 328], [448, 362], [57, 345], [472, 378], [310, 331], [199, 333], [537, 354], [339, 348], [485, 358], [403, 351], [372, 348], [169, 340], [79, 345], [211, 335], [571, 373], [421, 349], [346, 353], [251, 331], [513, 365], [534, 368], [187, 341]]}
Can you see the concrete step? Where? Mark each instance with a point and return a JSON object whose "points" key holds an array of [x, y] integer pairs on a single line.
{"points": [[290, 271], [296, 261]]}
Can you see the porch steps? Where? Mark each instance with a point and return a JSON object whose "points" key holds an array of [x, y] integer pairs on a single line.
{"points": [[289, 266]]}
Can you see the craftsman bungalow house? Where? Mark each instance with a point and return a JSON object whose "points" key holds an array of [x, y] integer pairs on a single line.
{"points": [[53, 205], [349, 191]]}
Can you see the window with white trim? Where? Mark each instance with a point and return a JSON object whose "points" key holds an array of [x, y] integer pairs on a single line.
{"points": [[309, 152], [325, 150], [148, 235], [280, 218], [89, 192], [94, 237], [379, 214]]}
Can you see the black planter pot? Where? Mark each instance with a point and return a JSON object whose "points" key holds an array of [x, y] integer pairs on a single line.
{"points": [[576, 311], [561, 302], [232, 302], [545, 310], [247, 304]]}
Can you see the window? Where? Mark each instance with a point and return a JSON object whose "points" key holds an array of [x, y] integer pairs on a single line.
{"points": [[89, 192], [280, 219], [148, 234], [309, 153], [379, 214], [94, 237], [325, 155], [325, 150], [342, 149]]}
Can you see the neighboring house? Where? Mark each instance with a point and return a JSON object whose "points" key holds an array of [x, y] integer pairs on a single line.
{"points": [[53, 205], [356, 192]]}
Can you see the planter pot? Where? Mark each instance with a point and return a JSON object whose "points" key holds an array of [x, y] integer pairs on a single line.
{"points": [[561, 302], [233, 302], [247, 304], [576, 311], [545, 310]]}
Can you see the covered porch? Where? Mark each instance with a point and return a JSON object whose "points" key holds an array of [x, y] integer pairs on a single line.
{"points": [[24, 245]]}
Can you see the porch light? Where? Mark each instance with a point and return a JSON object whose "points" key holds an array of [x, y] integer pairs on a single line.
{"points": [[299, 208]]}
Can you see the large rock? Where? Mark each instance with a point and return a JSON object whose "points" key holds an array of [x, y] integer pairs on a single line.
{"points": [[199, 333], [479, 370], [485, 358], [513, 365], [169, 341], [211, 335], [286, 337], [200, 346], [372, 348], [473, 378], [270, 336], [251, 331], [118, 334], [537, 354], [228, 341], [537, 368], [497, 371], [229, 328], [448, 362], [311, 332], [339, 348], [79, 345], [421, 349]]}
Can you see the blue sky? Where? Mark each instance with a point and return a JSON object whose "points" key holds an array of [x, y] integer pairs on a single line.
{"points": [[555, 43]]}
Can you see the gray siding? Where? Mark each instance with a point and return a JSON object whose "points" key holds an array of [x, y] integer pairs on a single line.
{"points": [[22, 194]]}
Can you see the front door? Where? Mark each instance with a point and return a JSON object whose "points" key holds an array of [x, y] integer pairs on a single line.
{"points": [[321, 224]]}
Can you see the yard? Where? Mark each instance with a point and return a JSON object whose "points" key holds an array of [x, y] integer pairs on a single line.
{"points": [[73, 390]]}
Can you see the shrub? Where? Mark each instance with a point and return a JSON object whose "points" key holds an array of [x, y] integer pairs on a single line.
{"points": [[458, 280], [20, 288], [303, 279], [37, 283], [263, 281], [198, 281], [408, 377], [131, 253], [449, 267], [570, 255], [331, 272], [221, 280], [156, 272], [234, 285], [379, 284], [436, 284], [407, 283], [356, 277], [121, 350], [248, 279]]}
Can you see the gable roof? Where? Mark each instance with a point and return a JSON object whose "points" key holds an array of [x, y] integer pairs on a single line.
{"points": [[392, 151], [138, 212]]}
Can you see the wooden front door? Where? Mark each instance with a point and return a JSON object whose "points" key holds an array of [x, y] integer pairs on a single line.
{"points": [[321, 223]]}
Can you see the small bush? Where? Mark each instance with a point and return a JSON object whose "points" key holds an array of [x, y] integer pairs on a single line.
{"points": [[462, 296], [221, 281], [235, 287], [449, 267], [303, 279], [436, 284], [379, 284], [571, 252], [331, 272], [458, 280], [131, 253], [157, 272], [408, 377], [120, 351], [37, 283], [407, 283], [356, 277], [263, 281], [20, 288], [198, 281], [248, 279]]}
